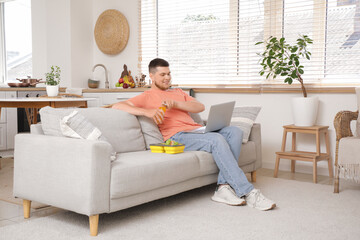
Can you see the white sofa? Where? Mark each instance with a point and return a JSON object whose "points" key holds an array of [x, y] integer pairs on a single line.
{"points": [[78, 175]]}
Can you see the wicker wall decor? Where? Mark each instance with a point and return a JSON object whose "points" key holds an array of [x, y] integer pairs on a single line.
{"points": [[111, 32]]}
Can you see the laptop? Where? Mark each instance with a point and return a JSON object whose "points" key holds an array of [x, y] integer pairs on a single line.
{"points": [[219, 117]]}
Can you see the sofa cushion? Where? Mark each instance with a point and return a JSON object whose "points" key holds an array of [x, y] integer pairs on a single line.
{"points": [[118, 127], [138, 172], [150, 131], [244, 118], [75, 125]]}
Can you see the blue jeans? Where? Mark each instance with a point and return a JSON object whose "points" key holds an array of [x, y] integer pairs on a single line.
{"points": [[225, 147]]}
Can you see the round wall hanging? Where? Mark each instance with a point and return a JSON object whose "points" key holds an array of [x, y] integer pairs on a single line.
{"points": [[111, 32]]}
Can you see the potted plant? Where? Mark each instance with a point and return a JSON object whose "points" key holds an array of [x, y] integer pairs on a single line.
{"points": [[53, 81], [282, 59]]}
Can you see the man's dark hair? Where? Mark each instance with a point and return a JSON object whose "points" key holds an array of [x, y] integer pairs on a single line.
{"points": [[157, 62]]}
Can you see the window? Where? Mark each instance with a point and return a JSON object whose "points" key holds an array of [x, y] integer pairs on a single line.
{"points": [[213, 41], [15, 39]]}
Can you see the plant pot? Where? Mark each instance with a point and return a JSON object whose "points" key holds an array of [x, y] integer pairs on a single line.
{"points": [[305, 111], [52, 90]]}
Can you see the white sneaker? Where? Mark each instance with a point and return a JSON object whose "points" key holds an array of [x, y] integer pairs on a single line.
{"points": [[225, 194], [256, 200]]}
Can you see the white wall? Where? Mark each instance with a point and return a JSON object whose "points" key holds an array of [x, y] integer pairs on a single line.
{"points": [[63, 35], [129, 56], [276, 112]]}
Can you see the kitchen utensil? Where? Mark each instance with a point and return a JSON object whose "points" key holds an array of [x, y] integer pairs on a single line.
{"points": [[32, 81], [18, 84]]}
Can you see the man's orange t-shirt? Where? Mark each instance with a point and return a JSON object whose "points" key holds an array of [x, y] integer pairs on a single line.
{"points": [[175, 120]]}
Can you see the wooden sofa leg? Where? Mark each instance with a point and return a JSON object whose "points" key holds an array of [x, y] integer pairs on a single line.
{"points": [[94, 223], [253, 176], [26, 207]]}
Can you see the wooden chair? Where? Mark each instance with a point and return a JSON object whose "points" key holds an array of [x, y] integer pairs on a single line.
{"points": [[342, 128]]}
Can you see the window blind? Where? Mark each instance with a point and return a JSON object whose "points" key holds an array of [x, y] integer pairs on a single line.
{"points": [[210, 42]]}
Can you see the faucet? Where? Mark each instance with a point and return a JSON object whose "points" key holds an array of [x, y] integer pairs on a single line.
{"points": [[106, 74]]}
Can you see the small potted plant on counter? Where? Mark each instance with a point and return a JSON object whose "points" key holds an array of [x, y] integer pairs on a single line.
{"points": [[53, 81], [282, 59]]}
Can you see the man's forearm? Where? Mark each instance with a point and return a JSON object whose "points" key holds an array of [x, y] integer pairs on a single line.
{"points": [[127, 107], [192, 106]]}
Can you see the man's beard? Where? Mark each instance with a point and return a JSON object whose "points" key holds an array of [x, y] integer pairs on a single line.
{"points": [[162, 88]]}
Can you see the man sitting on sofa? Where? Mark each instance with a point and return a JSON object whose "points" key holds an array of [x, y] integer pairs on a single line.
{"points": [[176, 124]]}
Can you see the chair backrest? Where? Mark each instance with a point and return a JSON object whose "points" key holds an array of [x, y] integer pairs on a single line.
{"points": [[357, 90]]}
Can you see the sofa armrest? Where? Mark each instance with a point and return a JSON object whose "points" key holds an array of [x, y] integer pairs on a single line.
{"points": [[255, 136], [68, 173]]}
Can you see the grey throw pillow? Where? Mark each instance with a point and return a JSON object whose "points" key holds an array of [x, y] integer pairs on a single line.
{"points": [[120, 128], [150, 131], [244, 118], [50, 119], [76, 125], [196, 117]]}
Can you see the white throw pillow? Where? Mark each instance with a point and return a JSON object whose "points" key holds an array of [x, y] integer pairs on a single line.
{"points": [[244, 118], [76, 125]]}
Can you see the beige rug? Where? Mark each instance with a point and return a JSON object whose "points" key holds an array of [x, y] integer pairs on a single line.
{"points": [[305, 211], [6, 184]]}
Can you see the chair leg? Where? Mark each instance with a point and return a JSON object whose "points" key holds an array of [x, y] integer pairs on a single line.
{"points": [[277, 163], [26, 208], [253, 176], [94, 223], [336, 180]]}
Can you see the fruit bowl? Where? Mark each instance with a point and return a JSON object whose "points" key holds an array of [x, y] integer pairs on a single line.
{"points": [[172, 149]]}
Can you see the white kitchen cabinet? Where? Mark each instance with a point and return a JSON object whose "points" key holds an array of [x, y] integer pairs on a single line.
{"points": [[96, 99], [102, 99], [3, 136], [11, 122], [3, 125]]}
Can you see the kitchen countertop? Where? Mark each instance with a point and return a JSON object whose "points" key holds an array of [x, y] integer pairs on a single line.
{"points": [[84, 90]]}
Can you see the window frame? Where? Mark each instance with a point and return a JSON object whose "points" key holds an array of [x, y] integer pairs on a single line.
{"points": [[3, 72], [274, 11]]}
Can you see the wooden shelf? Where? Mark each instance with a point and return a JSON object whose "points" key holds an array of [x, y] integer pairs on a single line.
{"points": [[295, 155]]}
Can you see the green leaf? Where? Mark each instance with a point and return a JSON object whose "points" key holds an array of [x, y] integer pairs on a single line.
{"points": [[259, 43], [301, 71], [269, 61], [288, 80], [294, 49]]}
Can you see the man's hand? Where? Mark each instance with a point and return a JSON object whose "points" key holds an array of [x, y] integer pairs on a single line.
{"points": [[156, 114], [188, 106], [169, 103]]}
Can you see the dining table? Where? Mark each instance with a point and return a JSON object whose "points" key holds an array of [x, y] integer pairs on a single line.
{"points": [[33, 104]]}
